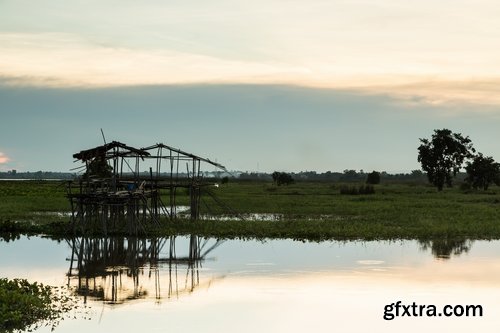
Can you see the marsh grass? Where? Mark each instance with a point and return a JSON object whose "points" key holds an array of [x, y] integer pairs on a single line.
{"points": [[19, 200], [310, 211], [319, 211]]}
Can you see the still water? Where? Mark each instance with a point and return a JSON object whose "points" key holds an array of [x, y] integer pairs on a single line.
{"points": [[192, 284]]}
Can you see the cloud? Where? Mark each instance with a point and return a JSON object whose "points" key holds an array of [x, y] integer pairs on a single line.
{"points": [[483, 92], [3, 158], [55, 59], [71, 60]]}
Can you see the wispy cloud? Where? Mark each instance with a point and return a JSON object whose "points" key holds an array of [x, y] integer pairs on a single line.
{"points": [[61, 59], [431, 91], [425, 52], [3, 158]]}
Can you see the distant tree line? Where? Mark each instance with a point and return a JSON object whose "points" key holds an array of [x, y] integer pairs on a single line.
{"points": [[36, 175], [348, 175], [360, 176]]}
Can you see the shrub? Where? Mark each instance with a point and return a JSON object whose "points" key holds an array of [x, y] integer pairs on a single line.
{"points": [[373, 178], [350, 190], [465, 186], [24, 305], [482, 171], [367, 189], [353, 190], [282, 178]]}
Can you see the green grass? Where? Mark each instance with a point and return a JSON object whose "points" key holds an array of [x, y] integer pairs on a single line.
{"points": [[23, 200], [313, 211], [393, 202]]}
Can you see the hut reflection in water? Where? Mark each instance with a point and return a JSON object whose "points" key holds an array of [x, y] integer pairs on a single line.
{"points": [[116, 270]]}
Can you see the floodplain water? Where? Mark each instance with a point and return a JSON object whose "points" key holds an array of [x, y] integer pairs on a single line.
{"points": [[193, 284]]}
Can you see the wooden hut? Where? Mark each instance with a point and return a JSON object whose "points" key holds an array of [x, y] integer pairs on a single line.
{"points": [[113, 194]]}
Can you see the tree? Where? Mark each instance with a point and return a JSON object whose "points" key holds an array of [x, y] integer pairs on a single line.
{"points": [[281, 178], [482, 171], [443, 156], [373, 178], [352, 175], [445, 248], [276, 175]]}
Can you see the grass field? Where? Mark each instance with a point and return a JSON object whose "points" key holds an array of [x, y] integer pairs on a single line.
{"points": [[23, 200], [313, 211]]}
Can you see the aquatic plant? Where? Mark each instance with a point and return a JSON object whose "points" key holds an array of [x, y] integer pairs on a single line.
{"points": [[310, 210], [25, 306]]}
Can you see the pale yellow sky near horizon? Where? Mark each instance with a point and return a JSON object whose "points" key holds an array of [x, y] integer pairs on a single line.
{"points": [[436, 52]]}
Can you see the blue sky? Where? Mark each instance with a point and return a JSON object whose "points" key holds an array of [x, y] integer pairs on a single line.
{"points": [[263, 85]]}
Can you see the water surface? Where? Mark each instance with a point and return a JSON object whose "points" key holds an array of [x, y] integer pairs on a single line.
{"points": [[189, 284]]}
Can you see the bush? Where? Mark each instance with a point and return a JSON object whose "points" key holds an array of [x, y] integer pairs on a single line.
{"points": [[344, 189], [282, 178], [465, 186], [271, 189], [482, 171], [24, 305], [367, 189], [373, 178], [353, 190]]}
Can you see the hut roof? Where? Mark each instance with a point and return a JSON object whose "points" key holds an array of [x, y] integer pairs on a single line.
{"points": [[125, 150], [181, 152]]}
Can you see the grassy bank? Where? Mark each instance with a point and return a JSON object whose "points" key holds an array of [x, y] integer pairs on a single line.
{"points": [[313, 211]]}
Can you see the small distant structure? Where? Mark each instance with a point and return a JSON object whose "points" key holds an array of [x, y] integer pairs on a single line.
{"points": [[114, 195]]}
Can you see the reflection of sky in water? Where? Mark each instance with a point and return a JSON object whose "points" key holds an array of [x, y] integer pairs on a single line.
{"points": [[286, 286]]}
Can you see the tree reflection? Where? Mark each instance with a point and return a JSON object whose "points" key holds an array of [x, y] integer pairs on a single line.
{"points": [[446, 248], [118, 270]]}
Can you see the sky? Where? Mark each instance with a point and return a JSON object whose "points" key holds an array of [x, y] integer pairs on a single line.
{"points": [[289, 85]]}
